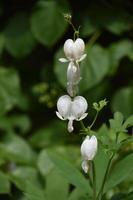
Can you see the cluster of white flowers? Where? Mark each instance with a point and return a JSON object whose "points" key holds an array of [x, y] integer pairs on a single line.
{"points": [[71, 107]]}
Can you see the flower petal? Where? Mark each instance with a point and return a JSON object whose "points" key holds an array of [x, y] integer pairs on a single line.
{"points": [[70, 126], [68, 49], [78, 48], [82, 57], [58, 115], [79, 107], [82, 117], [63, 60], [64, 106], [85, 166]]}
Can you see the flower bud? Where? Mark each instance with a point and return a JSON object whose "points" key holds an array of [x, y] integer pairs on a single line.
{"points": [[88, 151], [73, 78], [73, 73]]}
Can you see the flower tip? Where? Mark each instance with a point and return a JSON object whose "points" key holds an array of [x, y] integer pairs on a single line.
{"points": [[85, 166], [63, 60]]}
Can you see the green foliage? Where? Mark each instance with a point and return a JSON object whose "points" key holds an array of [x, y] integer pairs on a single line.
{"points": [[51, 14], [19, 40], [121, 170], [69, 172], [38, 158], [4, 183], [124, 106]]}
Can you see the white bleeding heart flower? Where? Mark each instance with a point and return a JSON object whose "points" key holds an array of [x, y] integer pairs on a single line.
{"points": [[71, 110], [74, 50], [88, 151]]}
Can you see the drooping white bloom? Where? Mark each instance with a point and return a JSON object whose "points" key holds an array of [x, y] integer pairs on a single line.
{"points": [[71, 110], [88, 151], [74, 50]]}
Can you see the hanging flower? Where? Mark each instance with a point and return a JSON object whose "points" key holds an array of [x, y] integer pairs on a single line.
{"points": [[74, 50], [88, 151], [71, 110]]}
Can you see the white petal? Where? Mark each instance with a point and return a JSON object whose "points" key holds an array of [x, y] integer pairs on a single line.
{"points": [[79, 107], [89, 148], [82, 57], [68, 49], [85, 166], [70, 126], [63, 60], [64, 106], [82, 117], [58, 115], [78, 48], [73, 73]]}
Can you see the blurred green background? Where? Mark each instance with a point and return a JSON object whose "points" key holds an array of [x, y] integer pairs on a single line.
{"points": [[32, 34]]}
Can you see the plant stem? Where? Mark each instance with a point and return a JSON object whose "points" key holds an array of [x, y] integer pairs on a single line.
{"points": [[94, 180], [105, 177], [93, 38], [95, 118], [82, 125]]}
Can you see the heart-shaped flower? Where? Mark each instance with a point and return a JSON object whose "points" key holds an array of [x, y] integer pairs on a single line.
{"points": [[71, 110], [74, 50]]}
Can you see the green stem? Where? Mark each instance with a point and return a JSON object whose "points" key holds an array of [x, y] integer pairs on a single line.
{"points": [[105, 177], [94, 180], [95, 118], [82, 125], [94, 37]]}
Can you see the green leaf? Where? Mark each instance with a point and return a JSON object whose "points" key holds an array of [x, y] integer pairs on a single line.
{"points": [[120, 25], [20, 175], [69, 172], [19, 40], [93, 69], [121, 171], [2, 43], [15, 148], [33, 193], [128, 122], [44, 163], [4, 183], [77, 194], [53, 134], [117, 51], [124, 106], [116, 124], [129, 196], [21, 122], [56, 191], [9, 89], [51, 14]]}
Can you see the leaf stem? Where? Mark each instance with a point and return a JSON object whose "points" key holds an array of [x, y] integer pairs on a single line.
{"points": [[82, 125], [95, 118]]}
